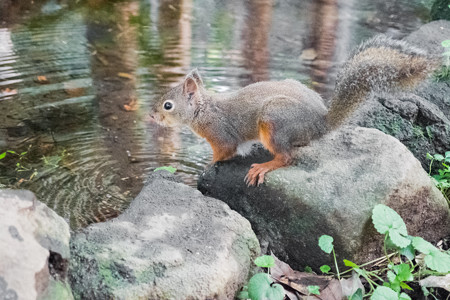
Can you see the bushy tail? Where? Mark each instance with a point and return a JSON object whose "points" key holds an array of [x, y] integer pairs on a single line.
{"points": [[379, 64]]}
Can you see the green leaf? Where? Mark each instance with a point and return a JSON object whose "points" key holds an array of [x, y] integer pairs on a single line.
{"points": [[326, 243], [405, 286], [422, 245], [2, 155], [265, 261], [308, 269], [425, 291], [391, 276], [166, 168], [384, 293], [358, 295], [243, 295], [404, 296], [23, 153], [350, 264], [314, 289], [403, 272], [439, 157], [445, 43], [325, 269], [434, 259], [387, 221], [11, 151], [408, 251], [261, 287], [438, 261], [429, 156]]}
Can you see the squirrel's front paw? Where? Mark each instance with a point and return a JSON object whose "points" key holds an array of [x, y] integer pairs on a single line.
{"points": [[255, 175]]}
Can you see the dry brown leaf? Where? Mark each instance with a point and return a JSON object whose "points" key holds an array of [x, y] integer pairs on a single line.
{"points": [[125, 75], [131, 106], [103, 60], [42, 79], [333, 291], [291, 294], [437, 281], [351, 285], [308, 54], [298, 281], [8, 92]]}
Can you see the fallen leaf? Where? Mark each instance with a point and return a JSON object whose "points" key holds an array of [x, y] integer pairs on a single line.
{"points": [[73, 90], [437, 281], [291, 294], [103, 60], [308, 54], [125, 75], [351, 285], [298, 281], [333, 291], [131, 106], [8, 92], [42, 79]]}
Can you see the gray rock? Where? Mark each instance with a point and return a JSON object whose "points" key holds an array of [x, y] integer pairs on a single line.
{"points": [[171, 243], [34, 249], [430, 36], [332, 190]]}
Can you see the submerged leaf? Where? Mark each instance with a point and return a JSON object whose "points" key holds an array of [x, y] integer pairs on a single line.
{"points": [[166, 168]]}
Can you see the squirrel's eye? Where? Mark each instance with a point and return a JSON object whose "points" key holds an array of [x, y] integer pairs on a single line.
{"points": [[168, 105]]}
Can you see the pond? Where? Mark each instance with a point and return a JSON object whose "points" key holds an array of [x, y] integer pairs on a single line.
{"points": [[77, 78]]}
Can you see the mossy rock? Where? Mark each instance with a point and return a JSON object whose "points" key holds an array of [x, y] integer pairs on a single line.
{"points": [[440, 10]]}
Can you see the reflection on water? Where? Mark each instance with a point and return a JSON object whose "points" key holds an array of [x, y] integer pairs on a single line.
{"points": [[76, 78]]}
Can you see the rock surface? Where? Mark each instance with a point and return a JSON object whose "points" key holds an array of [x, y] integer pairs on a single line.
{"points": [[419, 119], [171, 243], [34, 249], [332, 190]]}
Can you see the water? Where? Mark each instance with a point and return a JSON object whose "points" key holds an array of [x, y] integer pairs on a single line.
{"points": [[76, 78]]}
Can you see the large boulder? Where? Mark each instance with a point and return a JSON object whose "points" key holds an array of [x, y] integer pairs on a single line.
{"points": [[332, 190], [171, 243], [419, 119], [34, 249]]}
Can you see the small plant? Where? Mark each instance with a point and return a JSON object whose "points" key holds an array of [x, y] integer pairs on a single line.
{"points": [[326, 244], [444, 72], [442, 179], [20, 156], [391, 281], [261, 286], [21, 163]]}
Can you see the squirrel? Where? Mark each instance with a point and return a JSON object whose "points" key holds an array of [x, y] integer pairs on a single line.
{"points": [[284, 115]]}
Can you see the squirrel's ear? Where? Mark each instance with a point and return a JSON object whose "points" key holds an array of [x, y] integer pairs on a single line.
{"points": [[192, 82], [195, 75]]}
